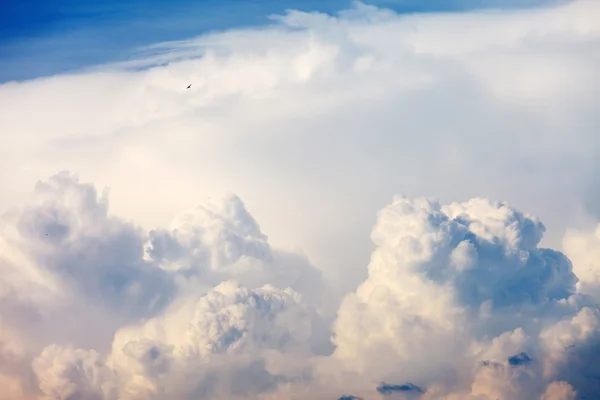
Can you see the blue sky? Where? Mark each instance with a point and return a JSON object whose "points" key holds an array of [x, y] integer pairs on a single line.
{"points": [[39, 38]]}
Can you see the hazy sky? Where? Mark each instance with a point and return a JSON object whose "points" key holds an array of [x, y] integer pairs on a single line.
{"points": [[348, 194]]}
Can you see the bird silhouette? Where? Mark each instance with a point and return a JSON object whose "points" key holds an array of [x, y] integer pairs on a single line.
{"points": [[189, 86]]}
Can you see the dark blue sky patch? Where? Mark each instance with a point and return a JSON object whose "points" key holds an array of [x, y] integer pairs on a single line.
{"points": [[387, 389], [519, 359]]}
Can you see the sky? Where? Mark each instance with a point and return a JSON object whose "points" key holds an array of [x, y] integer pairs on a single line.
{"points": [[38, 38], [377, 200]]}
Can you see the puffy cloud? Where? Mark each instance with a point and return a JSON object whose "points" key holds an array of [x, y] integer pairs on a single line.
{"points": [[163, 301], [228, 342], [227, 230], [583, 248], [67, 373], [572, 346], [424, 318], [71, 272], [322, 109], [243, 330], [559, 391], [315, 122], [460, 302], [218, 240], [66, 231]]}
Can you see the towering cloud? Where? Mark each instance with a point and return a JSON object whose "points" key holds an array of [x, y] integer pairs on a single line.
{"points": [[460, 302], [276, 292], [73, 275], [461, 297], [225, 344]]}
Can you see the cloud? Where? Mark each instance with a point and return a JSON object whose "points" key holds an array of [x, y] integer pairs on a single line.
{"points": [[328, 110], [74, 276], [276, 292], [64, 256], [65, 373], [559, 391], [583, 248], [219, 345], [460, 301], [509, 318]]}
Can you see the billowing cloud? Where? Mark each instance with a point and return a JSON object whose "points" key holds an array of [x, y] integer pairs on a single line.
{"points": [[460, 295], [276, 292], [220, 239], [217, 346], [583, 248], [460, 302], [321, 115], [74, 276]]}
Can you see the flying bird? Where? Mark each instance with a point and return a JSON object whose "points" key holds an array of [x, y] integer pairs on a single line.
{"points": [[189, 86]]}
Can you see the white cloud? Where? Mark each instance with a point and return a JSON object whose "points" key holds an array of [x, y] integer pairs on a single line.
{"points": [[509, 326], [65, 373], [229, 342], [315, 123], [421, 318], [559, 391], [329, 111], [73, 275], [583, 248], [230, 326]]}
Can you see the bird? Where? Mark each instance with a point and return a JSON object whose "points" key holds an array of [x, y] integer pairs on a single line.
{"points": [[189, 86]]}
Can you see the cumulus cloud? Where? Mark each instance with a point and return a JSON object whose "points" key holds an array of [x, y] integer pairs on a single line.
{"points": [[77, 280], [218, 346], [559, 391], [64, 256], [583, 248], [460, 302], [220, 239], [275, 292], [328, 109], [503, 328]]}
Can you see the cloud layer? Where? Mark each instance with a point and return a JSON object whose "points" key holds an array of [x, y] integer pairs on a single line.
{"points": [[460, 302], [329, 110], [277, 291]]}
